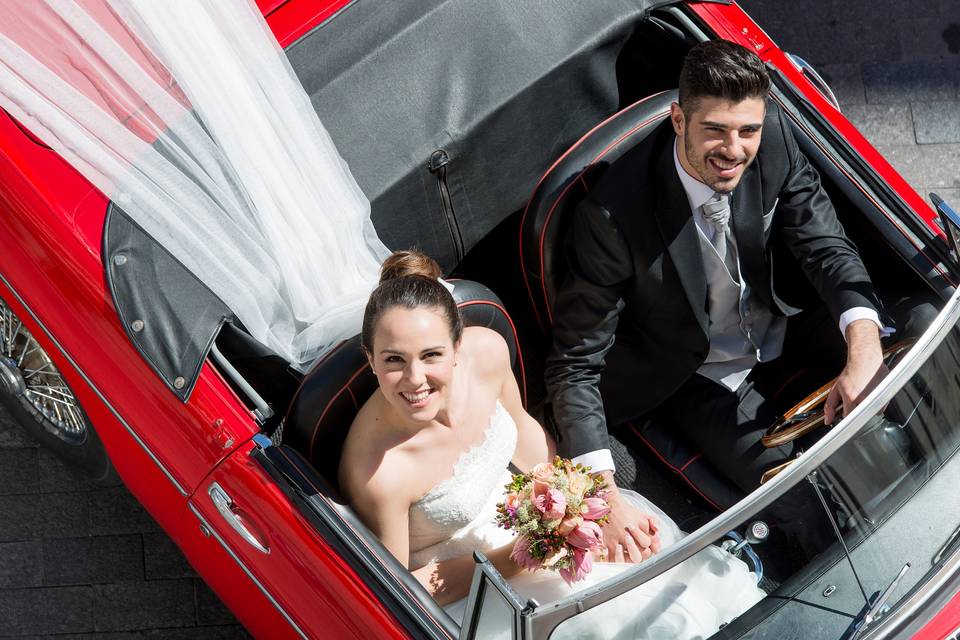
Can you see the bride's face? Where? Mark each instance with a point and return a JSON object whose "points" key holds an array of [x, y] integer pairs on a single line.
{"points": [[413, 358]]}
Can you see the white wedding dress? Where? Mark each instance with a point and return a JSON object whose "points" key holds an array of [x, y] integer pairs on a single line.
{"points": [[692, 600]]}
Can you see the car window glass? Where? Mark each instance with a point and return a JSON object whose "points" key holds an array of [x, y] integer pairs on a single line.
{"points": [[496, 616], [891, 488], [847, 543]]}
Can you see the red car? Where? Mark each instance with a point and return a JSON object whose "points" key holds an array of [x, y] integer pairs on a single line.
{"points": [[471, 143]]}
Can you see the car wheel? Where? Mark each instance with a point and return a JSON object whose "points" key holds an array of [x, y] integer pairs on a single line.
{"points": [[38, 397]]}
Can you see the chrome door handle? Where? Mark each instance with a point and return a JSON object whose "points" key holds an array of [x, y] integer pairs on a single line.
{"points": [[227, 509], [807, 69]]}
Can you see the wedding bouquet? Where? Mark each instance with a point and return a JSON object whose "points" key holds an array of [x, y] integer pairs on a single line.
{"points": [[557, 510]]}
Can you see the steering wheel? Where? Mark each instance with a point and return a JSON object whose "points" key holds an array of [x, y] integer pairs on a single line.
{"points": [[807, 415]]}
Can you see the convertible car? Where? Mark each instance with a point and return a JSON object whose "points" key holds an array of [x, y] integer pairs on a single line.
{"points": [[474, 128]]}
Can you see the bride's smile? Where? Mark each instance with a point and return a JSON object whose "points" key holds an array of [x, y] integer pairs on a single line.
{"points": [[414, 358]]}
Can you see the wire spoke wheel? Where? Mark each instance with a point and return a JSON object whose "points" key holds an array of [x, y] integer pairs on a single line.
{"points": [[31, 377]]}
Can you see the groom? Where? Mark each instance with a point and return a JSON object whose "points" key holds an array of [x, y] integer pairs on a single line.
{"points": [[669, 304]]}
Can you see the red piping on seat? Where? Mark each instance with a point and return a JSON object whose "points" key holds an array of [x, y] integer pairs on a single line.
{"points": [[553, 207], [523, 269], [788, 381], [317, 364], [354, 398], [673, 468], [688, 462], [516, 341], [316, 427]]}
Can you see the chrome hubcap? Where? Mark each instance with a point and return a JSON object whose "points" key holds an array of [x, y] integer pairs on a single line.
{"points": [[26, 372], [10, 379]]}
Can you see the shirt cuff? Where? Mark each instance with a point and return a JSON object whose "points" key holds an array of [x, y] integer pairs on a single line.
{"points": [[599, 460], [862, 313]]}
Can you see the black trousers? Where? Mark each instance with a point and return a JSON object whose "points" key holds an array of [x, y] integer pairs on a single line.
{"points": [[725, 426]]}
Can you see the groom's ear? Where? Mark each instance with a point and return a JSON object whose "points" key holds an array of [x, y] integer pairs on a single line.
{"points": [[677, 119]]}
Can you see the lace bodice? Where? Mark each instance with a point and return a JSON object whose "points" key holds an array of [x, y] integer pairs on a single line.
{"points": [[455, 517]]}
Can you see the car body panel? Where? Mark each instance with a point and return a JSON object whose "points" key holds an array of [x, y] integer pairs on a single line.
{"points": [[327, 594], [291, 19], [169, 453]]}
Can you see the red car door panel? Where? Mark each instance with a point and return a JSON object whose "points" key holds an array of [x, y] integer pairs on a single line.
{"points": [[281, 556]]}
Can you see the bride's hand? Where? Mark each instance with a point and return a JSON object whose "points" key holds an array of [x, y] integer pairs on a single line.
{"points": [[630, 535]]}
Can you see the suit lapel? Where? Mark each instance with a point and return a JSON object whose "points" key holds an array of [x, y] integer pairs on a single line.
{"points": [[679, 233], [746, 209]]}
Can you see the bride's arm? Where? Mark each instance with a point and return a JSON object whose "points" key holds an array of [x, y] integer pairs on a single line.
{"points": [[383, 503], [534, 444], [449, 580]]}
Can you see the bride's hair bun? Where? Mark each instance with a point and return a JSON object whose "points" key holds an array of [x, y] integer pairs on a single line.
{"points": [[409, 279], [401, 264]]}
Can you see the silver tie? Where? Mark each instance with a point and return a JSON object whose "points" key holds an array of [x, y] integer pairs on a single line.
{"points": [[716, 211]]}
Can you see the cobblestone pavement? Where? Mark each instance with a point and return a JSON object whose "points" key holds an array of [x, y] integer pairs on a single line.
{"points": [[78, 561], [86, 561]]}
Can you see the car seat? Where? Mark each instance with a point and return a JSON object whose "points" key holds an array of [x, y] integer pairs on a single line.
{"points": [[543, 230]]}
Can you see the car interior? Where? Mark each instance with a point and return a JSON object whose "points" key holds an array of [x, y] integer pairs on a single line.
{"points": [[506, 278]]}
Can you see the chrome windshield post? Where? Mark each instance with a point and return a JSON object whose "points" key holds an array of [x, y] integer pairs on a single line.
{"points": [[491, 597]]}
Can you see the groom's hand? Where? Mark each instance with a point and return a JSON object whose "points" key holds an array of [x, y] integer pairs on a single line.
{"points": [[864, 370], [630, 535]]}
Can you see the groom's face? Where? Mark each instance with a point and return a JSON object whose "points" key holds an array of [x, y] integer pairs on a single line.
{"points": [[719, 139]]}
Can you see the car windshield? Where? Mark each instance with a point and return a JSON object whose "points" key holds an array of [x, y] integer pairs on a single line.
{"points": [[865, 516]]}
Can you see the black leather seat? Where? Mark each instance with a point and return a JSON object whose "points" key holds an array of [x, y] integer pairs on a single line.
{"points": [[332, 392], [542, 235]]}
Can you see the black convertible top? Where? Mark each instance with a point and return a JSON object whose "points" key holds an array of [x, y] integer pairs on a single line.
{"points": [[486, 92], [495, 89]]}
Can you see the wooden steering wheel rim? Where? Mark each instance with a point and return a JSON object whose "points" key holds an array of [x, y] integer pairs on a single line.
{"points": [[807, 415]]}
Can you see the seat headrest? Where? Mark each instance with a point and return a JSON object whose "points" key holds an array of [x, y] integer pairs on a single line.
{"points": [[544, 223], [335, 388]]}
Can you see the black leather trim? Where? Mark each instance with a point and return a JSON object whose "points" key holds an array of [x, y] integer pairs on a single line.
{"points": [[545, 220], [170, 316]]}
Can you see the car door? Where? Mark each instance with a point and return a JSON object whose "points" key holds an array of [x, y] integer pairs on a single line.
{"points": [[285, 580]]}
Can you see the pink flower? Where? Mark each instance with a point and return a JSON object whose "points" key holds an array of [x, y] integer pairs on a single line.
{"points": [[543, 472], [521, 555], [551, 504], [576, 482], [538, 488], [594, 508], [586, 536], [581, 565], [569, 524], [556, 557]]}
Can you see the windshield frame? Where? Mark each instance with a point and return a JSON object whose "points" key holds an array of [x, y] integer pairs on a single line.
{"points": [[542, 621]]}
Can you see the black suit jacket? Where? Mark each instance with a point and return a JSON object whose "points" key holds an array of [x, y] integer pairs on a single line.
{"points": [[630, 321]]}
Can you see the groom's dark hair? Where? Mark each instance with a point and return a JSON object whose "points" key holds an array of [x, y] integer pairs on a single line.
{"points": [[721, 69], [409, 279]]}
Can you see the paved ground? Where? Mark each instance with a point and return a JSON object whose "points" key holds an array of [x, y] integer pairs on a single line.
{"points": [[895, 67], [80, 562], [85, 561]]}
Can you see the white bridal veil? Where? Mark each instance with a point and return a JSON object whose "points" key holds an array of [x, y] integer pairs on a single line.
{"points": [[187, 114]]}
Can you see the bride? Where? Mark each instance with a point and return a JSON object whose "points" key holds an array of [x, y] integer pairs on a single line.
{"points": [[426, 460]]}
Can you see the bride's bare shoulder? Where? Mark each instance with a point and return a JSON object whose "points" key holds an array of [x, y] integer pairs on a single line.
{"points": [[370, 458], [487, 348]]}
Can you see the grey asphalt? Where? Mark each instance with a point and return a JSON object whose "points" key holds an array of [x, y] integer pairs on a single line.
{"points": [[77, 561]]}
